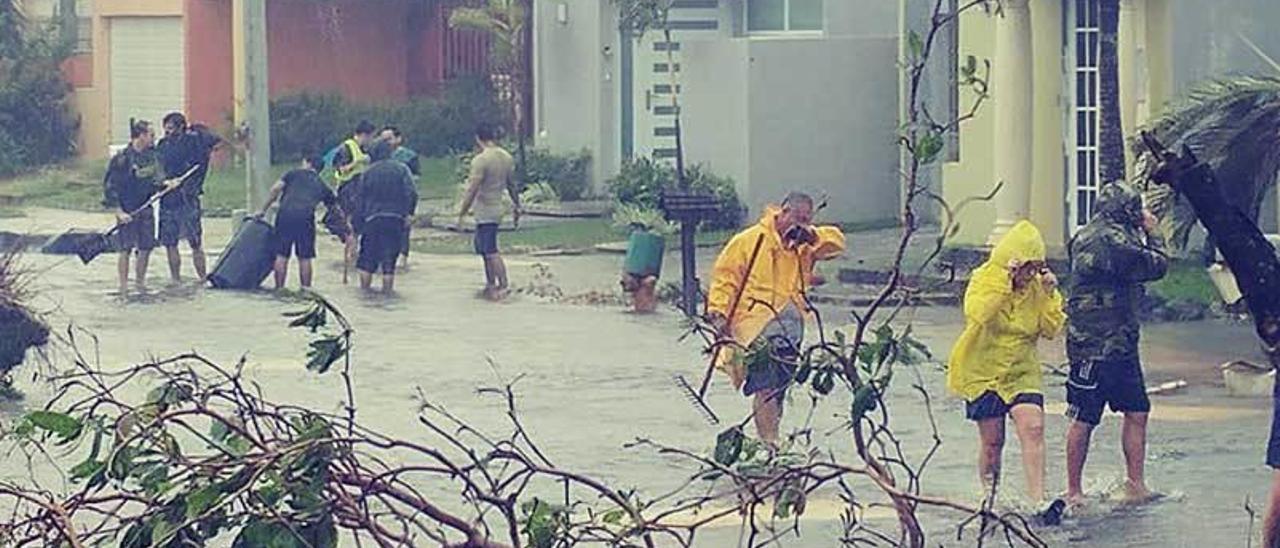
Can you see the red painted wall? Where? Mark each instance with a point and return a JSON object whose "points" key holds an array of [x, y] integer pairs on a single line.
{"points": [[78, 70], [358, 48], [207, 27], [366, 50]]}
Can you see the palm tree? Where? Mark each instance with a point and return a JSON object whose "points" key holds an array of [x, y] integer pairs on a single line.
{"points": [[505, 21], [1111, 132], [1234, 126]]}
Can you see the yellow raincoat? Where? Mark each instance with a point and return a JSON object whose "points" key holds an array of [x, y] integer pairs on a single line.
{"points": [[780, 277], [997, 351]]}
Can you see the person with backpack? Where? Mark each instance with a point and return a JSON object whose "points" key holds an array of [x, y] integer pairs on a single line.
{"points": [[349, 162], [133, 177], [298, 192]]}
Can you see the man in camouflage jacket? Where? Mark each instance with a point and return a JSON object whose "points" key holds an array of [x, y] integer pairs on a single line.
{"points": [[1111, 257]]}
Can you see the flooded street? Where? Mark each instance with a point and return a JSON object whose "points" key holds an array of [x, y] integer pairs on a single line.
{"points": [[595, 378]]}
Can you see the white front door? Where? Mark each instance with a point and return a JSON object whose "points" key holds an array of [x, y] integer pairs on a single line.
{"points": [[1083, 171], [653, 128], [148, 71]]}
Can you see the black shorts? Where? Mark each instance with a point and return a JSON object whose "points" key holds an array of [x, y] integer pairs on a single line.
{"points": [[296, 233], [181, 222], [487, 239], [380, 244], [990, 406], [140, 233], [1273, 446], [782, 336], [1114, 383]]}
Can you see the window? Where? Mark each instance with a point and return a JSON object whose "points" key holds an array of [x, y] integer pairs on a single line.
{"points": [[72, 18], [784, 15], [1082, 49]]}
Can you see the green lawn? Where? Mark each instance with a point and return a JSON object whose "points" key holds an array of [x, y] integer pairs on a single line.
{"points": [[79, 185], [1186, 281]]}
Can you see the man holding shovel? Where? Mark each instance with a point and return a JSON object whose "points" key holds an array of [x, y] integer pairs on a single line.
{"points": [[133, 177], [757, 290]]}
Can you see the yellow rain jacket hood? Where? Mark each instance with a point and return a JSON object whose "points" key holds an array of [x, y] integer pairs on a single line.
{"points": [[780, 277], [997, 350]]}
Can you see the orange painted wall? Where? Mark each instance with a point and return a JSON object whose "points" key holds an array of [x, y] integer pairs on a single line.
{"points": [[207, 28]]}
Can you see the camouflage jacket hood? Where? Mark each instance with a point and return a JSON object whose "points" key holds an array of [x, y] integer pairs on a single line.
{"points": [[1110, 260]]}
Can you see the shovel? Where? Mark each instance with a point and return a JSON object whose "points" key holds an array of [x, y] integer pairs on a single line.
{"points": [[100, 243]]}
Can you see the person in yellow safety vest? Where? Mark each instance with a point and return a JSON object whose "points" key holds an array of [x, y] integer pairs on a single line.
{"points": [[349, 163], [1012, 302], [783, 270]]}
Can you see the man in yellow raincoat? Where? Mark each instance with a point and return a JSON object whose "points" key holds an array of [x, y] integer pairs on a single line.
{"points": [[1011, 303], [771, 302]]}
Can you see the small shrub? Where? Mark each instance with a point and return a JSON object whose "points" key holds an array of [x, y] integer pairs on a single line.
{"points": [[566, 173], [433, 126], [37, 124], [642, 180]]}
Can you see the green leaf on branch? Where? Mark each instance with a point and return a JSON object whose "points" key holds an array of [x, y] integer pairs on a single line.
{"points": [[824, 382], [312, 319], [929, 147], [729, 446], [864, 401], [87, 469], [915, 44], [66, 427], [324, 352], [790, 500]]}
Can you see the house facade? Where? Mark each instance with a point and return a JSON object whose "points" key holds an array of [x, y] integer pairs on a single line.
{"points": [[1038, 132], [145, 58], [778, 94]]}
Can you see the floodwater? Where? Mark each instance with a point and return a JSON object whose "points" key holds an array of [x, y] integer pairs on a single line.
{"points": [[594, 378]]}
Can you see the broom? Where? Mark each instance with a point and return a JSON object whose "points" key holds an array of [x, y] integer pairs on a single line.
{"points": [[698, 398], [100, 243]]}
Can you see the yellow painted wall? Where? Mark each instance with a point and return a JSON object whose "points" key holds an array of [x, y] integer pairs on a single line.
{"points": [[974, 174], [1048, 183]]}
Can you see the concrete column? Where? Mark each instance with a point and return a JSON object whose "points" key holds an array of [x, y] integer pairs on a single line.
{"points": [[1159, 44], [1132, 88], [1013, 92]]}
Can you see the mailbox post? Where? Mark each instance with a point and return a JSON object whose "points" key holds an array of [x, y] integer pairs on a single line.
{"points": [[688, 208]]}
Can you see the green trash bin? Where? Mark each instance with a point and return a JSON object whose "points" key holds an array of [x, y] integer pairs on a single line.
{"points": [[644, 254]]}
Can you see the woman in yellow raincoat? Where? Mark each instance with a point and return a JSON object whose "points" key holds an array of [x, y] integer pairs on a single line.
{"points": [[1012, 302]]}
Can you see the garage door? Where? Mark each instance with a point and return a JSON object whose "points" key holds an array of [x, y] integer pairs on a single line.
{"points": [[147, 71]]}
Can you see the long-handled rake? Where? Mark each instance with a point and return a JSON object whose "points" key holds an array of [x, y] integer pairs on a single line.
{"points": [[100, 243], [698, 398]]}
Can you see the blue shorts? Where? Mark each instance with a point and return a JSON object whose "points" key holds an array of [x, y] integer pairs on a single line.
{"points": [[486, 239]]}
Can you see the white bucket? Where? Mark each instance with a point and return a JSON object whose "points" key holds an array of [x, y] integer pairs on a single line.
{"points": [[1247, 380]]}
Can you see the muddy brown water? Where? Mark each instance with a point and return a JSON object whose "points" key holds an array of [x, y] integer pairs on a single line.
{"points": [[595, 378]]}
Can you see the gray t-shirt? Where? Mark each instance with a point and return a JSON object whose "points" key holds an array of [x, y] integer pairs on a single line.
{"points": [[492, 168], [303, 191]]}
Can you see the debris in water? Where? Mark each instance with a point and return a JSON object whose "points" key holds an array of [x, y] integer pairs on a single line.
{"points": [[1167, 387]]}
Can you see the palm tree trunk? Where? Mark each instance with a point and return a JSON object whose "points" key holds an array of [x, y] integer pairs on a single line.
{"points": [[1111, 132]]}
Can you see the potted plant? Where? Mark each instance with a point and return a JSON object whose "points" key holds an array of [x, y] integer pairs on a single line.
{"points": [[646, 246]]}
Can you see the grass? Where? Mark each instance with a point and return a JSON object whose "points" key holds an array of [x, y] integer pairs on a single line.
{"points": [[1186, 281], [571, 234], [79, 186], [11, 213]]}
